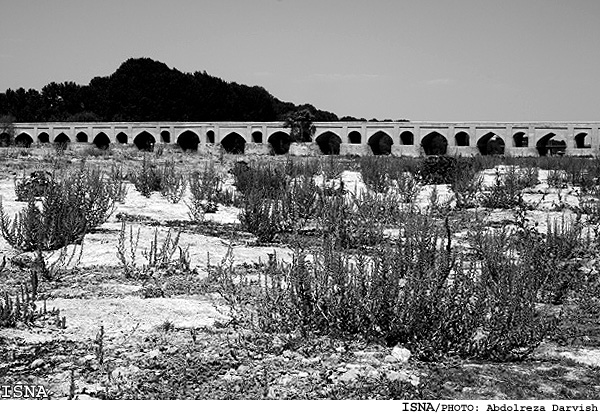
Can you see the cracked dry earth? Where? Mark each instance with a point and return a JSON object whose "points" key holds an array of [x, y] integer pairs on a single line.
{"points": [[118, 344]]}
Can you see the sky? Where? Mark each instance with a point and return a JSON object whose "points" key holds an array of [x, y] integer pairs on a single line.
{"points": [[423, 60]]}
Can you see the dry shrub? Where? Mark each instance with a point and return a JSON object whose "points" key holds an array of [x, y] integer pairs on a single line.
{"points": [[69, 208], [417, 292]]}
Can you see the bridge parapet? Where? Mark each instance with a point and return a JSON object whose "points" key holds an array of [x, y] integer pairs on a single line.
{"points": [[353, 137]]}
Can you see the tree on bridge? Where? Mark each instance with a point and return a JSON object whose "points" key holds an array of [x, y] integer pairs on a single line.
{"points": [[7, 131], [301, 125]]}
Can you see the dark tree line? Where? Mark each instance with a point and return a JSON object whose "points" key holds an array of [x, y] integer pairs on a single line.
{"points": [[146, 90]]}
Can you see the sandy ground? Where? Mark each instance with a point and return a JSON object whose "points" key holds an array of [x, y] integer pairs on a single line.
{"points": [[131, 315]]}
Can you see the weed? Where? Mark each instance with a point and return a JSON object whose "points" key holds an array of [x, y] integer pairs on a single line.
{"points": [[506, 190], [147, 179], [375, 173], [67, 211], [172, 182], [206, 192]]}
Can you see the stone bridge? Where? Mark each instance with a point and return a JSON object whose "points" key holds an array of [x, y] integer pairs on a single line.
{"points": [[345, 138]]}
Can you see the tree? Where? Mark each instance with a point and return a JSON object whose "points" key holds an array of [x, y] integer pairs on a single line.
{"points": [[301, 125], [7, 130]]}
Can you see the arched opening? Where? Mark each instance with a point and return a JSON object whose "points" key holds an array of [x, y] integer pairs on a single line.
{"points": [[580, 140], [102, 141], [144, 141], [280, 143], [62, 141], [490, 144], [257, 137], [210, 137], [354, 137], [44, 138], [23, 140], [547, 145], [521, 140], [381, 143], [81, 137], [329, 143], [122, 138], [165, 136], [188, 141], [407, 138], [434, 143], [234, 143], [462, 139], [5, 139]]}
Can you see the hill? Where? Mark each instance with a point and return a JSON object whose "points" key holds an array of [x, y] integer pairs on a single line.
{"points": [[143, 89]]}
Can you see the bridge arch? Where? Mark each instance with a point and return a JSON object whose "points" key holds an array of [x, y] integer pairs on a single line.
{"points": [[491, 144], [62, 140], [188, 140], [102, 141], [462, 139], [434, 143], [520, 139], [354, 137], [234, 143], [23, 140], [81, 137], [381, 143], [44, 137], [165, 136], [145, 141], [122, 138], [329, 143], [547, 145], [257, 137], [407, 138], [280, 142], [580, 140], [210, 136]]}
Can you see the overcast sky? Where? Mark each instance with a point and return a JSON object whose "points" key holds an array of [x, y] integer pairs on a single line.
{"points": [[446, 60]]}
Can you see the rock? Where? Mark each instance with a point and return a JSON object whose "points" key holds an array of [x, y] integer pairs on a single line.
{"points": [[349, 376], [38, 363], [372, 373], [403, 376], [85, 397], [390, 359], [396, 376], [231, 378], [286, 380], [153, 354], [401, 354], [123, 372], [242, 369], [84, 360]]}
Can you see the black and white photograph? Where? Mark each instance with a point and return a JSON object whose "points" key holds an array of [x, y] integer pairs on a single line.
{"points": [[300, 200]]}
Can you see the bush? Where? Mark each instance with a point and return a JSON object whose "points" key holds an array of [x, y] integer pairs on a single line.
{"points": [[206, 192], [266, 179], [466, 185], [438, 169], [418, 292], [147, 179], [68, 210], [262, 216], [506, 190], [375, 173], [33, 186], [172, 182]]}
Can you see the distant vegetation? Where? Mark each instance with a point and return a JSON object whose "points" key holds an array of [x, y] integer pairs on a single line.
{"points": [[146, 90]]}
